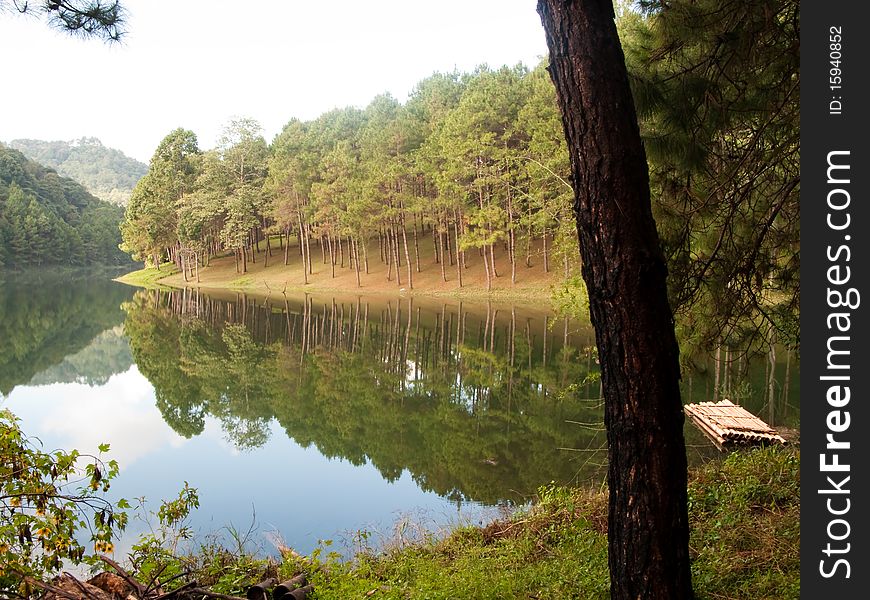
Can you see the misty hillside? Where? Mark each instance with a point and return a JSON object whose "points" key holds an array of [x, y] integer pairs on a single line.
{"points": [[46, 219], [107, 173]]}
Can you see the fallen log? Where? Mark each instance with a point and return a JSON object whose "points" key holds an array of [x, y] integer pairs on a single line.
{"points": [[69, 588], [260, 591], [285, 587], [123, 586], [114, 585], [129, 579], [299, 593]]}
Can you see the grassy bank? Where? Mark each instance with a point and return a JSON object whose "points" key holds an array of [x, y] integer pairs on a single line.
{"points": [[745, 518], [533, 283], [149, 277]]}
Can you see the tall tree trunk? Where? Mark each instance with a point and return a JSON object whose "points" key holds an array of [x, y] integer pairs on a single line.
{"points": [[492, 259], [462, 232], [529, 239], [407, 253], [771, 381], [355, 250], [785, 382], [624, 270], [447, 239], [416, 244], [302, 247], [511, 237], [546, 255], [435, 244], [441, 250], [365, 254], [486, 269], [389, 254], [308, 247], [717, 372], [331, 253], [394, 246], [458, 253]]}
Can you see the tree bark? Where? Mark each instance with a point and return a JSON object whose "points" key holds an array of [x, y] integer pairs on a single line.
{"points": [[365, 254], [625, 272], [441, 250], [407, 252], [302, 247], [307, 236], [511, 237], [331, 253], [355, 250], [394, 248], [546, 256], [416, 244], [492, 259], [458, 252], [340, 251], [435, 243]]}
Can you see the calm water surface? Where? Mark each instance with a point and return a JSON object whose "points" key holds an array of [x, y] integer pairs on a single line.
{"points": [[314, 417]]}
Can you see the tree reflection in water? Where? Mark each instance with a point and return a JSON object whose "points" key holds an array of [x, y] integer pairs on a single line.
{"points": [[477, 403]]}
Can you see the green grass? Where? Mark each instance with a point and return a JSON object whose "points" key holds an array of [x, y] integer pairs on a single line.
{"points": [[745, 516], [241, 283], [556, 550], [149, 276], [745, 544]]}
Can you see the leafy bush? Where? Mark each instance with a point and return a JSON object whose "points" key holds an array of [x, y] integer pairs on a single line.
{"points": [[50, 502]]}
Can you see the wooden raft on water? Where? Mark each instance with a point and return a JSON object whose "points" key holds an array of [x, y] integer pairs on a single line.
{"points": [[727, 424]]}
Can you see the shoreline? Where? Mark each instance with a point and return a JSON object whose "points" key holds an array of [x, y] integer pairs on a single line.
{"points": [[534, 289]]}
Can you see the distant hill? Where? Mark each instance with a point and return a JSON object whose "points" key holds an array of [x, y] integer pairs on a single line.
{"points": [[48, 320], [107, 354], [46, 219], [107, 173]]}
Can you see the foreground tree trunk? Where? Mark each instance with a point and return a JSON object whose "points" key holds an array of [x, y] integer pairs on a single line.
{"points": [[624, 269]]}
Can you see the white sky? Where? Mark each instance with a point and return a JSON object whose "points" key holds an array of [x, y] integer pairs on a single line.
{"points": [[197, 63]]}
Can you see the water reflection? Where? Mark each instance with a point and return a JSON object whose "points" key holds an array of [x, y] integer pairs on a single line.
{"points": [[766, 383], [46, 319], [476, 405], [321, 414]]}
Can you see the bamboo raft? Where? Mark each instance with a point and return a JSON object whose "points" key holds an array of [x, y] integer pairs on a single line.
{"points": [[727, 425]]}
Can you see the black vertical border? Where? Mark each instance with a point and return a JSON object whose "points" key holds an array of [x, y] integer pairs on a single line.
{"points": [[821, 133]]}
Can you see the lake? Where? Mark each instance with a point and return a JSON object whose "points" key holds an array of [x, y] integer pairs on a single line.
{"points": [[313, 417]]}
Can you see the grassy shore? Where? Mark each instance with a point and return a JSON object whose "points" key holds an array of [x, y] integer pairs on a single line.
{"points": [[533, 283], [745, 544]]}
